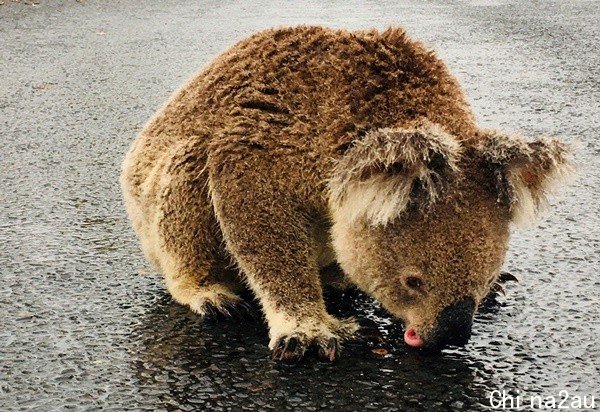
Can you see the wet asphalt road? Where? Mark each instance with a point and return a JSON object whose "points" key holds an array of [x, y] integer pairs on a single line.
{"points": [[85, 323]]}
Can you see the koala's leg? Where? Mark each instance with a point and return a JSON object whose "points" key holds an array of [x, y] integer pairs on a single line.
{"points": [[174, 218], [270, 238], [192, 254]]}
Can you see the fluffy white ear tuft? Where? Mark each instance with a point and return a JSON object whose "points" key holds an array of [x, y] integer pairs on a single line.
{"points": [[526, 172], [388, 169]]}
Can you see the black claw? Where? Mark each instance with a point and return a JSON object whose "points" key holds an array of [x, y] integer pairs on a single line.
{"points": [[498, 289], [210, 310], [229, 309], [507, 277], [289, 350], [278, 349], [329, 350], [292, 344]]}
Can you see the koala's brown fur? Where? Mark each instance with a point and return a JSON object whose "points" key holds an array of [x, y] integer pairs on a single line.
{"points": [[299, 147]]}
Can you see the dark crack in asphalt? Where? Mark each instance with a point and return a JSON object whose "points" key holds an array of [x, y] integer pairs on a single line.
{"points": [[86, 324]]}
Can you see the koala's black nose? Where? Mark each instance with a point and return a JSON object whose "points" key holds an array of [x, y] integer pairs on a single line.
{"points": [[453, 325]]}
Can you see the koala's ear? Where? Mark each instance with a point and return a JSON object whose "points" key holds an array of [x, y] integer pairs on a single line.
{"points": [[525, 172], [386, 170]]}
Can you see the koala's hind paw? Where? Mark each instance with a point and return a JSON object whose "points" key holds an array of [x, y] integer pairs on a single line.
{"points": [[211, 302]]}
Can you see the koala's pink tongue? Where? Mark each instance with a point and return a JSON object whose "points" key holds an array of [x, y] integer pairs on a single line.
{"points": [[411, 337]]}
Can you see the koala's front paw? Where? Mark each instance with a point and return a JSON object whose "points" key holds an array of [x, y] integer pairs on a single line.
{"points": [[323, 340], [291, 349]]}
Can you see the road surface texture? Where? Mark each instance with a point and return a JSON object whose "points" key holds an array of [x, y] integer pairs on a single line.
{"points": [[85, 323]]}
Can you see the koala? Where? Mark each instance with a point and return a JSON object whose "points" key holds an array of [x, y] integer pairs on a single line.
{"points": [[303, 147]]}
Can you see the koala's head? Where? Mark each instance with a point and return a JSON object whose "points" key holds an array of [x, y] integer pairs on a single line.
{"points": [[421, 221]]}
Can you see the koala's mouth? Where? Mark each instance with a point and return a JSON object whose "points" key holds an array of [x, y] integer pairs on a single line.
{"points": [[412, 338], [453, 328], [436, 341]]}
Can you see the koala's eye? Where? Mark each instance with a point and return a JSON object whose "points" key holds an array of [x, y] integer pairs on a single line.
{"points": [[414, 282]]}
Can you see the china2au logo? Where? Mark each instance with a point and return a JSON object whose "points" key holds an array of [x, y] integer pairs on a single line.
{"points": [[508, 400]]}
